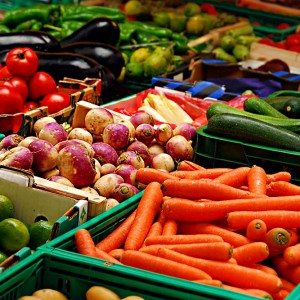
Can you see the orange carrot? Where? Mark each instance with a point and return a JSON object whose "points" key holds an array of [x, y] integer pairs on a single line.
{"points": [[105, 256], [232, 274], [117, 237], [170, 227], [291, 254], [187, 165], [272, 218], [264, 268], [277, 240], [160, 265], [212, 282], [257, 180], [213, 250], [182, 239], [260, 293], [147, 210], [233, 238], [198, 189], [256, 230], [116, 253], [84, 243], [147, 175], [294, 236], [282, 188], [193, 211], [155, 230], [235, 178], [281, 295], [286, 271], [282, 175], [251, 253], [287, 285], [199, 174]]}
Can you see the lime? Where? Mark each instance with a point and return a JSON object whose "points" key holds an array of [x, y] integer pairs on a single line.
{"points": [[14, 235], [195, 25], [6, 208], [191, 9], [155, 65], [134, 70], [40, 232], [167, 52], [133, 8], [3, 257], [177, 21], [161, 19], [140, 55]]}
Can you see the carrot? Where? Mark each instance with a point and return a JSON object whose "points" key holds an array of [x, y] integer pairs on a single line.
{"points": [[84, 243], [256, 230], [213, 250], [161, 218], [286, 271], [277, 240], [105, 256], [170, 227], [155, 230], [193, 211], [264, 268], [260, 293], [291, 254], [146, 212], [235, 178], [161, 265], [148, 175], [199, 174], [116, 253], [182, 239], [294, 236], [233, 238], [198, 189], [117, 237], [281, 295], [257, 180], [282, 188], [187, 165], [251, 253], [212, 282], [272, 218], [287, 285], [282, 175], [232, 274]]}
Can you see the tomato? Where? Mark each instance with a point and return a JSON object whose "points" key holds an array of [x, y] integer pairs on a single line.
{"points": [[279, 45], [17, 82], [56, 101], [22, 61], [41, 84], [255, 23], [266, 41], [29, 105], [11, 100], [283, 26], [295, 48], [4, 73], [292, 40]]}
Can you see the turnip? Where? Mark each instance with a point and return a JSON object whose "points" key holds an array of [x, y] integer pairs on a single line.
{"points": [[127, 172], [123, 191], [40, 123], [105, 184], [142, 150], [132, 158], [145, 133], [10, 141], [163, 133], [117, 135], [44, 155], [180, 148], [60, 179], [163, 161], [155, 148], [52, 172], [76, 164], [27, 140], [17, 157], [97, 119], [98, 174], [107, 169], [110, 203], [105, 153], [141, 117], [89, 190], [130, 127], [81, 134], [53, 133], [63, 144], [185, 129]]}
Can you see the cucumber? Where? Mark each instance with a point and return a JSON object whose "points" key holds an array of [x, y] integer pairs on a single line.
{"points": [[247, 129], [287, 123], [279, 102], [257, 105], [292, 108]]}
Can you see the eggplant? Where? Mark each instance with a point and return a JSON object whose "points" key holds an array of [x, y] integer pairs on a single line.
{"points": [[100, 30], [105, 54], [34, 39]]}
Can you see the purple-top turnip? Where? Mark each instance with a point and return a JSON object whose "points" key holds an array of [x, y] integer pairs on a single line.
{"points": [[27, 140], [117, 135], [61, 179], [80, 134], [145, 133], [17, 157], [10, 141], [142, 150], [131, 158], [179, 148], [40, 123], [63, 144], [107, 168], [53, 133], [105, 153], [155, 148], [105, 184], [141, 117], [127, 172], [163, 133], [185, 129], [123, 191]]}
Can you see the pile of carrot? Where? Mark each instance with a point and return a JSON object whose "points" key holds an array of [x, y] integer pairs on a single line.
{"points": [[233, 228]]}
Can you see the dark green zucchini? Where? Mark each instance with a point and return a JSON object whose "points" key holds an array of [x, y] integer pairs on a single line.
{"points": [[279, 102], [287, 123], [292, 108], [247, 129]]}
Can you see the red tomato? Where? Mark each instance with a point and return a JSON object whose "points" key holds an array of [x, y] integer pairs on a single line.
{"points": [[279, 45], [4, 73], [255, 23], [295, 48], [56, 101], [292, 40], [17, 82], [29, 105], [41, 84], [22, 61], [283, 26], [266, 41], [11, 100]]}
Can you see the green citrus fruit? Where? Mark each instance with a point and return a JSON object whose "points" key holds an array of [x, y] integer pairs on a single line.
{"points": [[40, 232], [195, 25], [6, 208], [167, 52], [161, 19], [3, 257], [191, 9], [133, 8], [155, 65], [14, 235], [177, 21], [134, 70], [140, 55]]}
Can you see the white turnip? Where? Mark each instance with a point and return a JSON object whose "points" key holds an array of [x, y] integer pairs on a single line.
{"points": [[155, 148], [17, 157], [163, 161], [10, 141], [60, 179], [105, 153], [53, 133], [52, 172], [110, 203], [117, 135], [163, 133], [80, 134], [105, 184], [27, 140], [180, 148], [107, 168], [89, 190], [131, 158]]}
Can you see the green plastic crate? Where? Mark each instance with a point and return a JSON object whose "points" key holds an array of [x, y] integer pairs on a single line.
{"points": [[214, 151], [11, 4]]}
